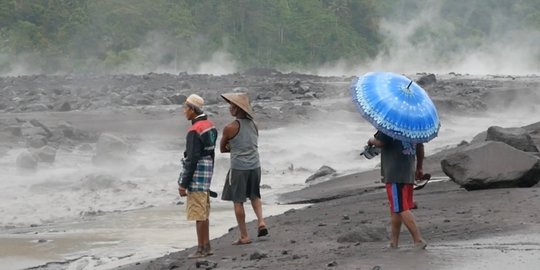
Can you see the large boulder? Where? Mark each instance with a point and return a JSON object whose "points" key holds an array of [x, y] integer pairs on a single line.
{"points": [[492, 164], [427, 80], [515, 137], [323, 173], [33, 128], [111, 150], [45, 154], [68, 131], [26, 161]]}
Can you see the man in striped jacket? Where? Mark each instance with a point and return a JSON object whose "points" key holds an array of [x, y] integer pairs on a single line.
{"points": [[198, 167]]}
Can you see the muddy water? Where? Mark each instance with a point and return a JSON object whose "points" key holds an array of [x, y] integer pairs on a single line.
{"points": [[103, 242], [118, 236]]}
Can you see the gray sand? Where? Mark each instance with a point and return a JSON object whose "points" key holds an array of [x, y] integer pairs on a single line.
{"points": [[353, 233]]}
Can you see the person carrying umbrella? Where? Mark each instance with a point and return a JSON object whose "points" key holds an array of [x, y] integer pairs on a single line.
{"points": [[405, 118]]}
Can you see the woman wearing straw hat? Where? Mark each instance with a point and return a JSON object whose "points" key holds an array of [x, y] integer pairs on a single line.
{"points": [[240, 138]]}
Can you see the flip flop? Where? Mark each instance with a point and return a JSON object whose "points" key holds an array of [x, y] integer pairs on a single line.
{"points": [[262, 231], [423, 182], [240, 242]]}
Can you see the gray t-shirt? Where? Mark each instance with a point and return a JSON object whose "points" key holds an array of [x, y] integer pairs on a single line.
{"points": [[244, 146], [398, 160]]}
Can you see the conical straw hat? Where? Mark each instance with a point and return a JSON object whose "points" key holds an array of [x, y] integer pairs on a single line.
{"points": [[241, 100]]}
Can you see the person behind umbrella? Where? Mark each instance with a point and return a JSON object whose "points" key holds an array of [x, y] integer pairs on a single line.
{"points": [[194, 181], [240, 138], [405, 118], [399, 170]]}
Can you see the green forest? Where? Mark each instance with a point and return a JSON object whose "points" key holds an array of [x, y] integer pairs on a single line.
{"points": [[95, 36]]}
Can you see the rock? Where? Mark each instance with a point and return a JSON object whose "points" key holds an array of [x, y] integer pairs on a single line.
{"points": [[304, 88], [111, 150], [26, 161], [73, 133], [265, 95], [287, 108], [491, 165], [285, 94], [309, 95], [240, 90], [38, 107], [45, 154], [166, 101], [85, 147], [480, 137], [178, 99], [321, 172], [515, 137], [115, 98], [257, 255], [63, 107], [206, 264], [36, 141], [136, 99], [29, 130], [427, 80], [37, 123], [332, 264]]}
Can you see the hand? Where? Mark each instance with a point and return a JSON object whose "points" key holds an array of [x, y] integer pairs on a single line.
{"points": [[419, 174], [182, 191]]}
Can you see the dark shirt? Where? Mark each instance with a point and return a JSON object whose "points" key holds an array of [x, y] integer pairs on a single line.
{"points": [[200, 142], [397, 160]]}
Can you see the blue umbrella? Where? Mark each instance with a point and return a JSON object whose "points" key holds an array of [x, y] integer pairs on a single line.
{"points": [[396, 106]]}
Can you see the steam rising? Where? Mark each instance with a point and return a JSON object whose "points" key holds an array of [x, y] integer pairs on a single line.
{"points": [[474, 37], [424, 40]]}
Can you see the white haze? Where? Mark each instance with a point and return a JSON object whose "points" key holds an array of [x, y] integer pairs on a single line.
{"points": [[506, 50], [163, 54], [509, 48]]}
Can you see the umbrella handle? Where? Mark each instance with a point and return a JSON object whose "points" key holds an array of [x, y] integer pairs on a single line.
{"points": [[409, 84]]}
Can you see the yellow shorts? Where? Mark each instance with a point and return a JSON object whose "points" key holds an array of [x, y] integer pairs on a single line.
{"points": [[198, 206]]}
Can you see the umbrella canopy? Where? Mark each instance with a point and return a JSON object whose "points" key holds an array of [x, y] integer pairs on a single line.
{"points": [[396, 106]]}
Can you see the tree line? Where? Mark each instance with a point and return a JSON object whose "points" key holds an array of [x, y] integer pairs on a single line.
{"points": [[114, 35]]}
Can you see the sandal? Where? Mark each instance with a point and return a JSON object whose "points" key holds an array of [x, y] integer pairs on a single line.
{"points": [[198, 254], [240, 242], [262, 231], [421, 183]]}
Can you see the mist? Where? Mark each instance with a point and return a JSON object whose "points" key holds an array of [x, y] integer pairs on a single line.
{"points": [[469, 37], [421, 38]]}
